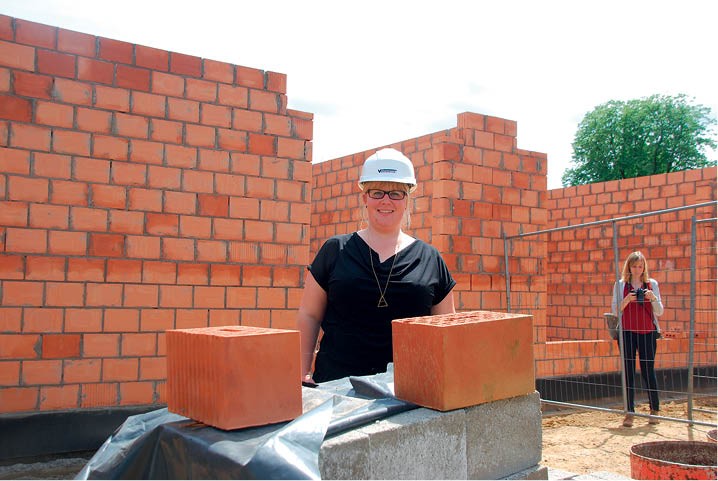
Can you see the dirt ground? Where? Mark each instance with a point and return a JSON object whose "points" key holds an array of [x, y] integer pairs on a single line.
{"points": [[584, 442]]}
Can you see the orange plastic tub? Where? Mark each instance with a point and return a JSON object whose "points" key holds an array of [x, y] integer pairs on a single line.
{"points": [[673, 460]]}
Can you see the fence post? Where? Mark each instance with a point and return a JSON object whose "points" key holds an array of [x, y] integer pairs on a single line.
{"points": [[507, 273], [692, 325], [618, 295]]}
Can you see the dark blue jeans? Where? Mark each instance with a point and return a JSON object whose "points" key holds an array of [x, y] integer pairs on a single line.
{"points": [[645, 345]]}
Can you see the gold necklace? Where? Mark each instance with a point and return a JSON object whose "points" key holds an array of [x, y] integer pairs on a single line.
{"points": [[382, 300]]}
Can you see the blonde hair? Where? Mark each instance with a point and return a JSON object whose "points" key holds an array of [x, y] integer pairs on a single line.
{"points": [[632, 258]]}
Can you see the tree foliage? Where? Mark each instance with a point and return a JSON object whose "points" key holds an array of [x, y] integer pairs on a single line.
{"points": [[653, 135]]}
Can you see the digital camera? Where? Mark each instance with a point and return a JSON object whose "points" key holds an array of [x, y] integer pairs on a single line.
{"points": [[640, 294]]}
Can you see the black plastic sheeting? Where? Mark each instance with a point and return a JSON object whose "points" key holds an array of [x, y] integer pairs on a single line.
{"points": [[163, 445]]}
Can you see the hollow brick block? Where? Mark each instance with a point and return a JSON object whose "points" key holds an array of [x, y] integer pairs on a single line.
{"points": [[233, 377], [453, 361]]}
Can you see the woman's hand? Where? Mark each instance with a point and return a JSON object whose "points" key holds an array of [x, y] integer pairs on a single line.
{"points": [[630, 297], [651, 296]]}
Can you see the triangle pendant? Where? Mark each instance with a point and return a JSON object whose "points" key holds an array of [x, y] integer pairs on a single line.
{"points": [[382, 302]]}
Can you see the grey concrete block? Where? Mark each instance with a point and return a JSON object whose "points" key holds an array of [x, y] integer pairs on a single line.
{"points": [[345, 456], [503, 437], [425, 444], [418, 444]]}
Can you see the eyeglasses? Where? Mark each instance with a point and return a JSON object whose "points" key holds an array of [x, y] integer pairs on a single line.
{"points": [[379, 194]]}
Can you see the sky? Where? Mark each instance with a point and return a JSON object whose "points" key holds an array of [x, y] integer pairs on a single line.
{"points": [[375, 72]]}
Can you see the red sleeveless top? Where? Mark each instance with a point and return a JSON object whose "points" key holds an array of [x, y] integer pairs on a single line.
{"points": [[638, 316]]}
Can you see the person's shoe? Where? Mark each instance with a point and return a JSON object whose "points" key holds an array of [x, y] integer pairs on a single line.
{"points": [[653, 420], [628, 421]]}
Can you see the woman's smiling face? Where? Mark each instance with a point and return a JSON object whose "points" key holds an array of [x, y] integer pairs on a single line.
{"points": [[385, 212]]}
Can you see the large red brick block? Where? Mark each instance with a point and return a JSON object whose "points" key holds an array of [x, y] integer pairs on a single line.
{"points": [[233, 377], [453, 361]]}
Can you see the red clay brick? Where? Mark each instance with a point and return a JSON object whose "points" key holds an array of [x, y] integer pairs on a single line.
{"points": [[14, 108], [64, 294], [234, 96], [124, 270], [109, 196], [213, 205], [71, 142], [146, 152], [112, 98], [115, 50], [156, 272], [165, 130], [180, 156], [143, 247], [69, 243], [193, 274], [201, 90], [211, 251], [127, 222], [123, 369], [185, 64], [219, 71], [137, 393], [194, 181], [107, 245], [92, 120], [183, 110], [72, 92], [59, 397], [126, 173], [151, 58], [99, 395], [81, 269], [178, 202], [36, 34], [17, 56], [76, 42], [149, 105], [167, 84], [16, 399], [41, 372], [30, 137], [13, 214], [68, 192], [81, 370], [42, 268], [19, 346], [60, 346], [239, 376], [132, 78], [56, 63], [52, 165], [83, 320], [457, 360], [31, 241]]}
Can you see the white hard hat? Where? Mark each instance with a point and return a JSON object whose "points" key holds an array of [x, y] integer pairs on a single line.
{"points": [[388, 165]]}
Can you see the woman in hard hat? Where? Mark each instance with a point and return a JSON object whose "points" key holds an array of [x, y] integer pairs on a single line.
{"points": [[359, 282]]}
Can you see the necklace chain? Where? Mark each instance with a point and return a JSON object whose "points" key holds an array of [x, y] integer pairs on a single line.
{"points": [[382, 300]]}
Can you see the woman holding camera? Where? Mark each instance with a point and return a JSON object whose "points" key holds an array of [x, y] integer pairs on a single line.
{"points": [[638, 298]]}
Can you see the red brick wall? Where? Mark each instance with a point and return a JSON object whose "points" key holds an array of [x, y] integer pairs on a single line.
{"points": [[140, 190]]}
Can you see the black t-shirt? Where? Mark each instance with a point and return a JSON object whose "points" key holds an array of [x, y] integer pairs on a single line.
{"points": [[357, 333]]}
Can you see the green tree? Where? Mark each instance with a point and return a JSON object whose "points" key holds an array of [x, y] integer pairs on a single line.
{"points": [[653, 135]]}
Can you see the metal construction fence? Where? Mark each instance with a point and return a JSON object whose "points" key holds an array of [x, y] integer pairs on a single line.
{"points": [[579, 268]]}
